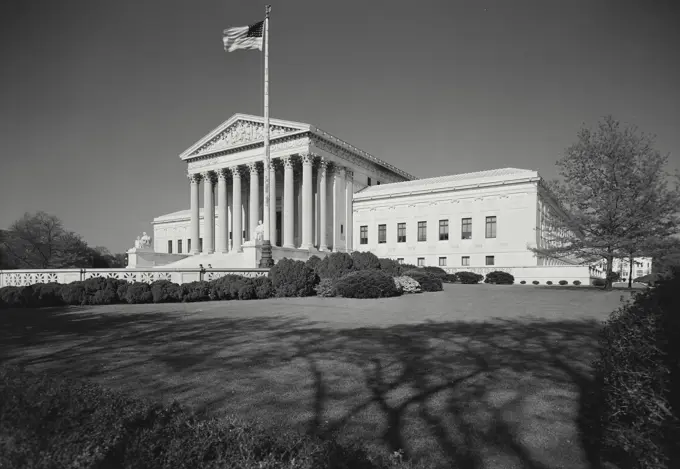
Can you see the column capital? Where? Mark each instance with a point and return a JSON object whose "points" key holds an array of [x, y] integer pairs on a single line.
{"points": [[209, 176], [338, 171], [307, 158], [349, 174], [223, 173], [235, 171], [287, 162], [253, 167], [194, 178]]}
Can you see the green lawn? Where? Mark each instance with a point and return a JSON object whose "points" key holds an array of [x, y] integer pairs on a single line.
{"points": [[475, 376]]}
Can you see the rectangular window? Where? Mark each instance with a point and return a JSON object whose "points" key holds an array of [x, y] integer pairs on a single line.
{"points": [[369, 180], [179, 246], [422, 231], [382, 234], [188, 245], [442, 262], [363, 234], [490, 227], [401, 232], [169, 246], [342, 229], [490, 260], [378, 183], [421, 262], [200, 244], [400, 260], [443, 230], [466, 228], [465, 260]]}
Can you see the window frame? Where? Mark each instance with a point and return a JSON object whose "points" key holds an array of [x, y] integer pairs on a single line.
{"points": [[401, 238], [493, 260], [444, 236], [179, 246], [382, 239], [422, 225], [418, 262], [445, 259], [169, 246], [491, 222], [363, 230], [462, 228], [465, 261]]}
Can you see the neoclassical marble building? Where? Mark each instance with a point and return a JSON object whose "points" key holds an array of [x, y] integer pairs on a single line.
{"points": [[327, 195]]}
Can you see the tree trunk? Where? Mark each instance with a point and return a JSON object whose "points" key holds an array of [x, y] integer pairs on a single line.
{"points": [[630, 271], [608, 275]]}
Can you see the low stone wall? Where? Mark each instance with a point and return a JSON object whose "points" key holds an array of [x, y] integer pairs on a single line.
{"points": [[554, 273], [32, 276]]}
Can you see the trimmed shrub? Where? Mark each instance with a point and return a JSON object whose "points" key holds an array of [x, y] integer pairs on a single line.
{"points": [[221, 288], [365, 260], [563, 282], [74, 293], [294, 278], [535, 282], [390, 266], [47, 294], [599, 282], [549, 282], [427, 281], [639, 399], [334, 266], [263, 287], [164, 291], [325, 288], [247, 292], [436, 271], [407, 284], [523, 282], [450, 278], [469, 277], [138, 292], [500, 278], [366, 284], [195, 291], [313, 262], [576, 282]]}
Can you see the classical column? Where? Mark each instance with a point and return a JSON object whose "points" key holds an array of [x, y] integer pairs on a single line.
{"points": [[288, 222], [338, 218], [223, 233], [322, 176], [195, 180], [236, 215], [208, 214], [349, 192], [307, 228], [272, 203], [254, 202]]}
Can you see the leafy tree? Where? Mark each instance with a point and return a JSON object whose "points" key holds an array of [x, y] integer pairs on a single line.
{"points": [[615, 194], [39, 241]]}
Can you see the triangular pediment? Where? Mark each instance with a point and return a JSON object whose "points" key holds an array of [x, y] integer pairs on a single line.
{"points": [[242, 129]]}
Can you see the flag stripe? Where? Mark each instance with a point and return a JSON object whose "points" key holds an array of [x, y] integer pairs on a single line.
{"points": [[243, 37]]}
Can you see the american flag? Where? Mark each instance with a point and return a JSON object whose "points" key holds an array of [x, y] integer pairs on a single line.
{"points": [[243, 37]]}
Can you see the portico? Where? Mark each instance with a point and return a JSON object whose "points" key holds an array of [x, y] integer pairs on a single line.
{"points": [[313, 177]]}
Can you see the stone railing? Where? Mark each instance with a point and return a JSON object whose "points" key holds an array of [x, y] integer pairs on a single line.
{"points": [[25, 277]]}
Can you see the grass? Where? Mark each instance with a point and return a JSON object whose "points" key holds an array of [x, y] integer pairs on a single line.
{"points": [[473, 376]]}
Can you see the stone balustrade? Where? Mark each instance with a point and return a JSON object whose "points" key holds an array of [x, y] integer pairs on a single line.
{"points": [[25, 277]]}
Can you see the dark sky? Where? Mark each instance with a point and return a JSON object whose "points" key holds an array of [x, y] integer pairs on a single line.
{"points": [[98, 98]]}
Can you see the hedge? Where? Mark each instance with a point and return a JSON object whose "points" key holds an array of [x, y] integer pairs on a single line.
{"points": [[51, 421], [469, 277], [367, 284], [500, 278], [639, 377], [293, 278], [427, 281]]}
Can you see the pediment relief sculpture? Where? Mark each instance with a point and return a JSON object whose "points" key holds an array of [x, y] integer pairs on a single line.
{"points": [[242, 132]]}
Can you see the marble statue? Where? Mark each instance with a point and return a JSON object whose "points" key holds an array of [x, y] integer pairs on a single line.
{"points": [[145, 240], [259, 231], [138, 243]]}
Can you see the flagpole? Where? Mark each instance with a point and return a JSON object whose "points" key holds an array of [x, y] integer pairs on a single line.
{"points": [[266, 257]]}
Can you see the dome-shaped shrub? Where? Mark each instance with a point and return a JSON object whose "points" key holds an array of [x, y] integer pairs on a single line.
{"points": [[523, 282], [334, 266], [469, 277], [499, 278], [293, 278], [366, 284], [436, 271], [535, 282], [427, 281], [548, 282], [563, 282], [365, 260], [576, 282]]}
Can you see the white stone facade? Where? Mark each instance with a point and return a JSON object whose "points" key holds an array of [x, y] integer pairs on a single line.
{"points": [[330, 196]]}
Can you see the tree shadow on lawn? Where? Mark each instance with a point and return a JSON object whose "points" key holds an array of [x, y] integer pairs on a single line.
{"points": [[503, 393]]}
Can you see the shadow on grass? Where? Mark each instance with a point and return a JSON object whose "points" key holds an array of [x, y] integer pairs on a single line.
{"points": [[457, 394]]}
